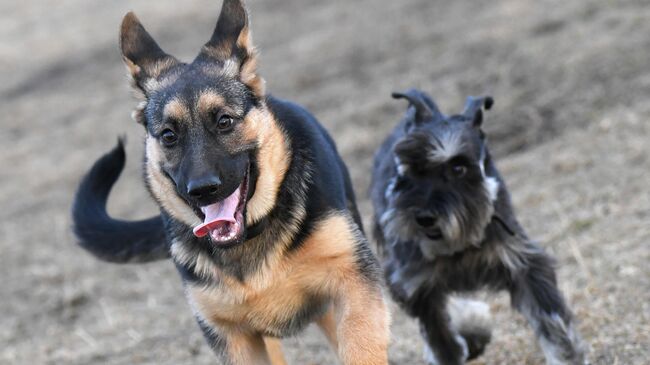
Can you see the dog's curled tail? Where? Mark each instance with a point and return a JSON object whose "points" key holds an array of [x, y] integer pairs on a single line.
{"points": [[107, 238], [472, 320]]}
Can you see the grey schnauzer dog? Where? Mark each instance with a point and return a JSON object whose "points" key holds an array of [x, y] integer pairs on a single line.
{"points": [[445, 224]]}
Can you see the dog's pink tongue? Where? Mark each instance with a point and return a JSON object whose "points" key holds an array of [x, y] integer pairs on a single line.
{"points": [[218, 215]]}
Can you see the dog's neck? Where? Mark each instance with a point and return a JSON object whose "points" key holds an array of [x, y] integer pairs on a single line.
{"points": [[257, 228]]}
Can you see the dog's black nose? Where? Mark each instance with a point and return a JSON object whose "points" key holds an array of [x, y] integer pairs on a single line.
{"points": [[425, 219], [204, 187]]}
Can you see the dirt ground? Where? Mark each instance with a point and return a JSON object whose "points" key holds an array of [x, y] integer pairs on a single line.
{"points": [[570, 130]]}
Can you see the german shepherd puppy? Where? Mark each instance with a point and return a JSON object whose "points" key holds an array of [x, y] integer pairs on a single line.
{"points": [[257, 208]]}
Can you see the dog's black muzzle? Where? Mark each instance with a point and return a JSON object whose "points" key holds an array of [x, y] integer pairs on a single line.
{"points": [[204, 181]]}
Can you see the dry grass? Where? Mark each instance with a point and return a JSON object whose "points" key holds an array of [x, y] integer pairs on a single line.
{"points": [[570, 130]]}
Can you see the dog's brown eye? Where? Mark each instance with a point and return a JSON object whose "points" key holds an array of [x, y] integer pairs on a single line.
{"points": [[225, 122], [168, 137], [459, 170]]}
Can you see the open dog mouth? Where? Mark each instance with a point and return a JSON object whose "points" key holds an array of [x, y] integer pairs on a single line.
{"points": [[224, 221]]}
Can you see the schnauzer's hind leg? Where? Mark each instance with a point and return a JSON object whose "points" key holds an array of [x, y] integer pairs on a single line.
{"points": [[535, 294]]}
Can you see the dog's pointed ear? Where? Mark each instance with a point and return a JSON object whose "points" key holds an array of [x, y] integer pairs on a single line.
{"points": [[425, 108], [476, 107], [231, 46], [143, 57]]}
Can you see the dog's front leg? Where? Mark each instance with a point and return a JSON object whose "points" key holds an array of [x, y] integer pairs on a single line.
{"points": [[328, 325], [444, 346], [239, 348], [357, 324], [535, 294]]}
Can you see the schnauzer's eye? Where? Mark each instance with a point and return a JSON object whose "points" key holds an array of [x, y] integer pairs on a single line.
{"points": [[168, 137], [225, 122], [459, 170]]}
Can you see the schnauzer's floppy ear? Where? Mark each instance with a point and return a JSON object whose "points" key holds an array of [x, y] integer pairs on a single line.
{"points": [[425, 108], [231, 46], [142, 55], [475, 107]]}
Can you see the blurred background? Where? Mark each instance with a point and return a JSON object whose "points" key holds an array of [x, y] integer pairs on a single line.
{"points": [[570, 131]]}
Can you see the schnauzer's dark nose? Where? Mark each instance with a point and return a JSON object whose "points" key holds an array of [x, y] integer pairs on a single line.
{"points": [[425, 218], [204, 187]]}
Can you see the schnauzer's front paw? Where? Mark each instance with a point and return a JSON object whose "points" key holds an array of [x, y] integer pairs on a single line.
{"points": [[476, 344]]}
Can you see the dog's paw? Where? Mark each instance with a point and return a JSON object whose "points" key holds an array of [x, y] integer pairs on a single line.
{"points": [[476, 344], [472, 320]]}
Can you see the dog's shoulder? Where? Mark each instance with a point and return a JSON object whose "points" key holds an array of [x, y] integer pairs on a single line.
{"points": [[302, 126], [313, 148]]}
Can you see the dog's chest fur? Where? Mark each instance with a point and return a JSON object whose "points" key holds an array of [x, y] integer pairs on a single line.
{"points": [[407, 271], [288, 291], [279, 309]]}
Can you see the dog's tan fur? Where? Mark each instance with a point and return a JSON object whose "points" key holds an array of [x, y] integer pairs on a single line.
{"points": [[327, 324], [273, 158], [209, 101], [357, 323], [176, 109], [161, 188], [274, 349]]}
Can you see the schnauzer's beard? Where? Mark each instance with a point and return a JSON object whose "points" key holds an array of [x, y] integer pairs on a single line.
{"points": [[462, 217]]}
